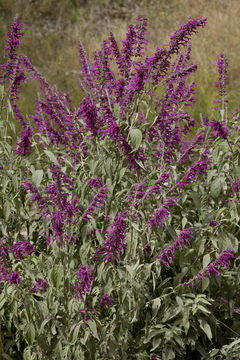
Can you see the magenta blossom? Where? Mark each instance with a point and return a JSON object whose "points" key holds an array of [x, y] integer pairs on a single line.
{"points": [[114, 244], [167, 255], [213, 268], [14, 277], [219, 130], [83, 286], [40, 286], [22, 247], [106, 301]]}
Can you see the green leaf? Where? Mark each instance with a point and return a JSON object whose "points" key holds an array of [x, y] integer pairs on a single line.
{"points": [[206, 260], [116, 110], [206, 328], [37, 177], [156, 306], [57, 276], [93, 327], [180, 303], [205, 282], [6, 210], [216, 187], [140, 163], [51, 156], [45, 321], [135, 138], [74, 334], [27, 354], [30, 334]]}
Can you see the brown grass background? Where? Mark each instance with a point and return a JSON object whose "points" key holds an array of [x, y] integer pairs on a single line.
{"points": [[53, 27]]}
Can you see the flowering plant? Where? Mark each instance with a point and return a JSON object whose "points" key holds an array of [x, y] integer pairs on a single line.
{"points": [[120, 210]]}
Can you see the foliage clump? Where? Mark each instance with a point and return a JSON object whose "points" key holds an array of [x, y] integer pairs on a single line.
{"points": [[119, 236]]}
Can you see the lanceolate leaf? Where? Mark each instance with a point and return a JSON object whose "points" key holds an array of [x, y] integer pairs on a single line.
{"points": [[135, 138]]}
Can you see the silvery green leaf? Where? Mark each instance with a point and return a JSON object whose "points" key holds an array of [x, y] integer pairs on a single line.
{"points": [[135, 138]]}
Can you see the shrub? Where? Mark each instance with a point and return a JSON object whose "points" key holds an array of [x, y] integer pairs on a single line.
{"points": [[119, 235]]}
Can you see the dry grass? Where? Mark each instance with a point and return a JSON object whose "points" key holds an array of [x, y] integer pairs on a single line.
{"points": [[52, 29]]}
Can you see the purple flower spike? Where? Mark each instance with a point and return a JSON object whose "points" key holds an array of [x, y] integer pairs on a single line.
{"points": [[40, 286], [182, 35], [158, 217], [223, 260], [24, 144], [97, 202], [14, 277], [236, 186], [167, 255], [84, 286], [219, 130], [106, 301], [21, 248], [115, 242], [222, 65], [96, 182], [212, 223]]}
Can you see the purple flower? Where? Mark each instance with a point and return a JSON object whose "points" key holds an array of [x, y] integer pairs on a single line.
{"points": [[115, 241], [147, 249], [86, 314], [24, 145], [35, 195], [212, 223], [167, 255], [84, 285], [223, 300], [97, 202], [22, 247], [223, 260], [13, 41], [222, 65], [156, 188], [200, 167], [14, 277], [158, 217], [89, 114], [40, 286], [106, 301], [236, 186], [219, 130], [182, 35], [14, 35], [155, 356], [95, 182]]}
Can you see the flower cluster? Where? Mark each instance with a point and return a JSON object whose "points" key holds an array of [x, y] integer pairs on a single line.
{"points": [[97, 202], [168, 254], [222, 65], [24, 144], [114, 244], [83, 286], [106, 301], [95, 182], [219, 129], [199, 168], [40, 286], [14, 277], [13, 41], [223, 260], [161, 214], [182, 35], [236, 185], [86, 314], [6, 272], [22, 247]]}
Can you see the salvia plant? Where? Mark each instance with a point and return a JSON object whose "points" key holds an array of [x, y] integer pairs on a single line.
{"points": [[119, 229]]}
